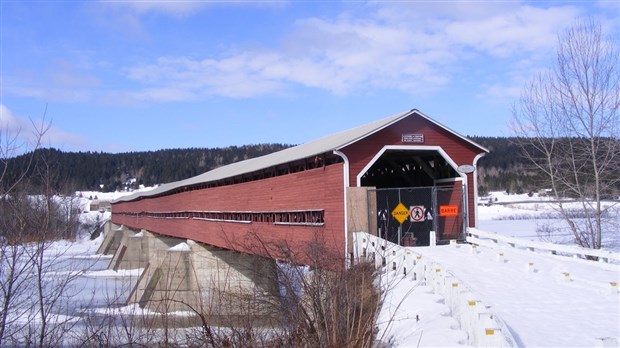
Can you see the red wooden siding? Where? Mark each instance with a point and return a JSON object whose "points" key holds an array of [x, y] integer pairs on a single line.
{"points": [[461, 151], [320, 188], [311, 190]]}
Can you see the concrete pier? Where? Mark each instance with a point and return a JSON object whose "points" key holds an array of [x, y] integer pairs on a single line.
{"points": [[113, 234], [135, 248], [183, 275]]}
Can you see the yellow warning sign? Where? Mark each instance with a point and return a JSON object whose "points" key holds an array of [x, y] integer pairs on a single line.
{"points": [[400, 213]]}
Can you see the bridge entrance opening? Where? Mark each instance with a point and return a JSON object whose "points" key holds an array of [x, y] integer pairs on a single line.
{"points": [[408, 168], [415, 192]]}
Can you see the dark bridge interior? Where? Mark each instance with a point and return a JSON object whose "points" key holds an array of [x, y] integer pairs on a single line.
{"points": [[406, 168]]}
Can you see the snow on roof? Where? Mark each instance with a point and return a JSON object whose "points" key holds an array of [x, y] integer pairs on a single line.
{"points": [[326, 144]]}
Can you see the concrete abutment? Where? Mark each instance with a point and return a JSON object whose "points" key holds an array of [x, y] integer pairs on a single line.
{"points": [[183, 275]]}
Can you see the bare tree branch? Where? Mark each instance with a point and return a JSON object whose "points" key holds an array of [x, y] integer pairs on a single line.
{"points": [[566, 123]]}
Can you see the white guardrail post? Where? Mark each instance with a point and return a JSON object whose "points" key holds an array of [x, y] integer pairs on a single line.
{"points": [[483, 327]]}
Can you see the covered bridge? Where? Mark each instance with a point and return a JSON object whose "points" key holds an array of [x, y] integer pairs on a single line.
{"points": [[399, 177]]}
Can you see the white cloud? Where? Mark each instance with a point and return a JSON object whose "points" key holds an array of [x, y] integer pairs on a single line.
{"points": [[243, 75], [511, 87], [527, 29], [338, 56], [22, 133], [415, 48], [502, 92], [174, 8], [411, 47], [8, 122], [166, 7], [59, 138], [60, 81], [182, 8], [15, 133], [430, 12]]}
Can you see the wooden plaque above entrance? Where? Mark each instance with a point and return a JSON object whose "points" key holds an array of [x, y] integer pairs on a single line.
{"points": [[413, 138]]}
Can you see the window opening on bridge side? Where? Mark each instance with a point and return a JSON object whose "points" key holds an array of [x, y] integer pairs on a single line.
{"points": [[294, 217], [318, 161]]}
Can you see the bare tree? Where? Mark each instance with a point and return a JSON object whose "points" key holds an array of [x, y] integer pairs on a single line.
{"points": [[35, 299], [15, 265], [567, 124], [52, 219]]}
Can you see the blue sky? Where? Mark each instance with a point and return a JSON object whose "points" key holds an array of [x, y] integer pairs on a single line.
{"points": [[121, 76]]}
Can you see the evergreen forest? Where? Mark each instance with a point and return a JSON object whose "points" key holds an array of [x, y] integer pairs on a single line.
{"points": [[503, 169], [97, 171]]}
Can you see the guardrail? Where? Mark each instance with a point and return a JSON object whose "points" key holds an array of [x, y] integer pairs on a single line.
{"points": [[483, 327], [489, 239]]}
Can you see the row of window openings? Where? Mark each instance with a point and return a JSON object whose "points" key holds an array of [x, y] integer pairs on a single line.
{"points": [[278, 170], [305, 217]]}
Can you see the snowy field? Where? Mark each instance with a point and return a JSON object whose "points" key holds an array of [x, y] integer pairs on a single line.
{"points": [[533, 218]]}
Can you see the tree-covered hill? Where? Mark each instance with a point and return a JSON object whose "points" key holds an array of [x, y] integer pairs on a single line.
{"points": [[89, 170], [502, 169]]}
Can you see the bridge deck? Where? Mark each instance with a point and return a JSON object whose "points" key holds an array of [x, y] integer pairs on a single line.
{"points": [[557, 301]]}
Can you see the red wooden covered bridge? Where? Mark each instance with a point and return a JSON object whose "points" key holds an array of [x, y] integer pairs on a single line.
{"points": [[400, 177]]}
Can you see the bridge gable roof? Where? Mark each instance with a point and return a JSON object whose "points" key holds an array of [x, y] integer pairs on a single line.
{"points": [[323, 145]]}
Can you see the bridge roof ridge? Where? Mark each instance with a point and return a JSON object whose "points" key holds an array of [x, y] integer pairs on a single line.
{"points": [[322, 145]]}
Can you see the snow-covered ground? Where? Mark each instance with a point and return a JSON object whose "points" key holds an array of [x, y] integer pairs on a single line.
{"points": [[541, 306], [97, 285], [414, 316], [110, 196], [545, 300], [534, 218]]}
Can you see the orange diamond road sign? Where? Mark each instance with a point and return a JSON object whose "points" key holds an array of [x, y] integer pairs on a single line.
{"points": [[448, 210], [400, 213]]}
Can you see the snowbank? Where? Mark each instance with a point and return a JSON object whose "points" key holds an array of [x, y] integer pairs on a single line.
{"points": [[544, 300]]}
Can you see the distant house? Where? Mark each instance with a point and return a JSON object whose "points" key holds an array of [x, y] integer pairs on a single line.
{"points": [[100, 205]]}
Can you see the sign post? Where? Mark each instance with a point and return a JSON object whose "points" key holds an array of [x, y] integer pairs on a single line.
{"points": [[400, 213]]}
